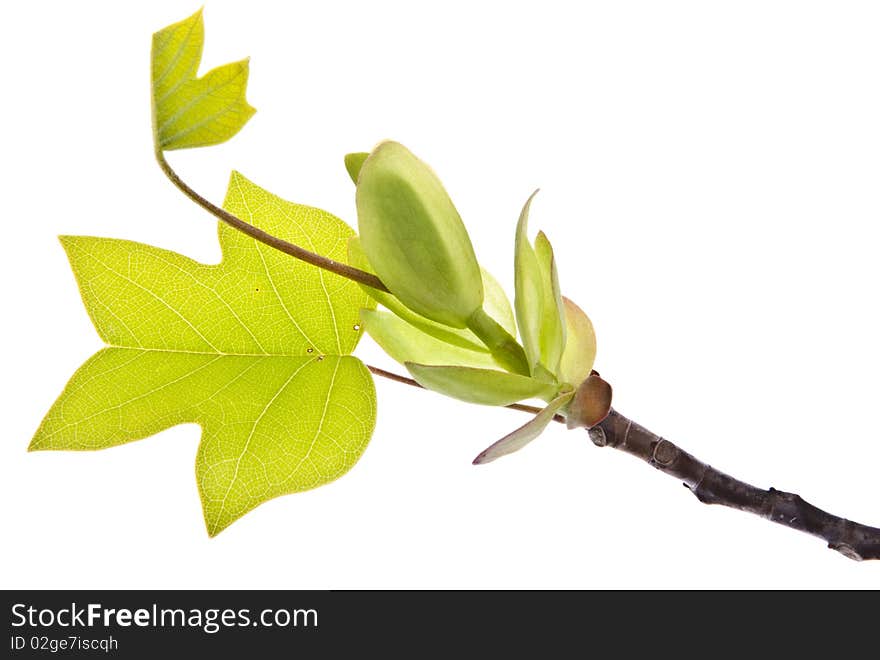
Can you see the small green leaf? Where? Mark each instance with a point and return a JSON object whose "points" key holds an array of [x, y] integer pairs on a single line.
{"points": [[553, 315], [496, 304], [254, 349], [353, 164], [189, 111], [414, 238], [522, 436], [529, 289], [406, 343], [580, 345], [486, 386]]}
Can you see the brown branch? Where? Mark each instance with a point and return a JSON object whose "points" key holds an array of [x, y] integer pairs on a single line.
{"points": [[710, 486], [344, 270]]}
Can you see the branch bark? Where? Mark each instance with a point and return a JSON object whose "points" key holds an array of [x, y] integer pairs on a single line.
{"points": [[711, 486]]}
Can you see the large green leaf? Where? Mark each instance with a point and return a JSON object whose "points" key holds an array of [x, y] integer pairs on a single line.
{"points": [[190, 111], [255, 349]]}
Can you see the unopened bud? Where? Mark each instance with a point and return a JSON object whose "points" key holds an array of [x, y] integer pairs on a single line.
{"points": [[591, 403], [414, 238]]}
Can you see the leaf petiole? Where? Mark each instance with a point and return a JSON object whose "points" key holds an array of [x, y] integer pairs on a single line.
{"points": [[337, 267]]}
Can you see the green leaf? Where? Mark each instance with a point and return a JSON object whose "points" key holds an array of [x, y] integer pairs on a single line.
{"points": [[495, 304], [580, 345], [552, 337], [406, 343], [522, 436], [190, 111], [486, 386], [529, 289], [255, 349], [353, 164]]}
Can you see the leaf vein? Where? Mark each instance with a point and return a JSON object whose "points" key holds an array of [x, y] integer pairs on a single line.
{"points": [[159, 298], [209, 91], [176, 57], [248, 442], [220, 298], [128, 402]]}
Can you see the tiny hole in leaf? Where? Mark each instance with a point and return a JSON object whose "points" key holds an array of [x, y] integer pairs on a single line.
{"points": [[357, 327]]}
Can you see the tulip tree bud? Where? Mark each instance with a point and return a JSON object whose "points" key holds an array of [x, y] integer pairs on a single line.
{"points": [[414, 238], [591, 403]]}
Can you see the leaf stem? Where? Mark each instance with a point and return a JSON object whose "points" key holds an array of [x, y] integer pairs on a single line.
{"points": [[337, 267]]}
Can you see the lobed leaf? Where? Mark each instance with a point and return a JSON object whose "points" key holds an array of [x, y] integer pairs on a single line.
{"points": [[254, 349], [190, 111]]}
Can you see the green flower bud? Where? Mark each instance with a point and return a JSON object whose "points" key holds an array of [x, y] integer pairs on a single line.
{"points": [[495, 304], [414, 238]]}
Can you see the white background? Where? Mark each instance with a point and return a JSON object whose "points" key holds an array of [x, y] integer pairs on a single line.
{"points": [[710, 175]]}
